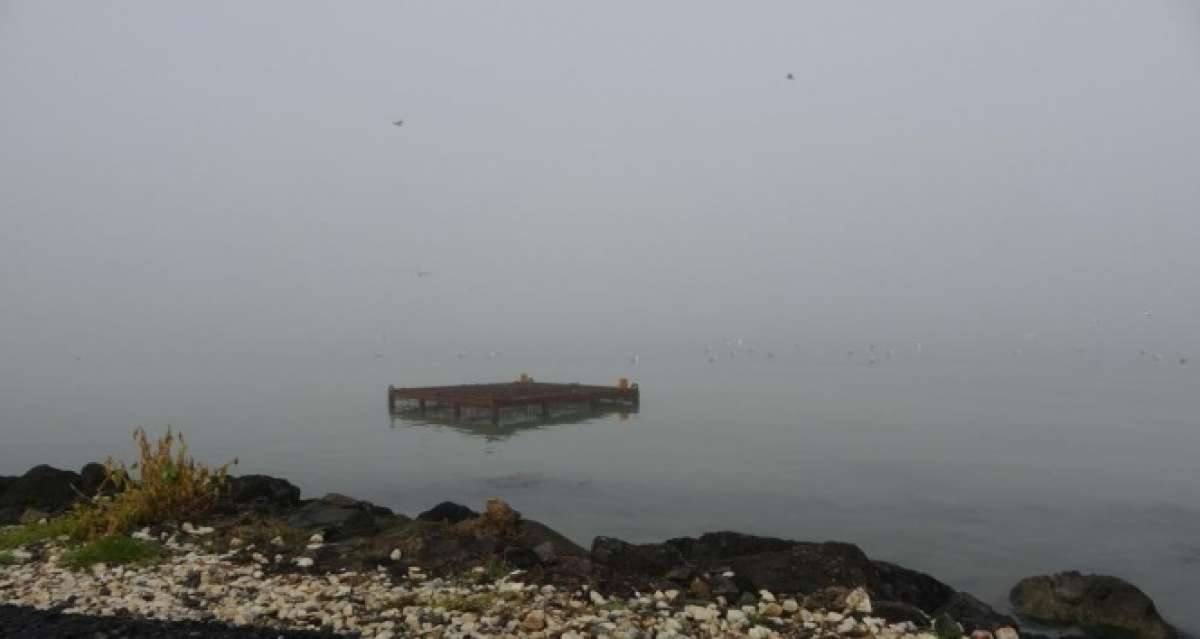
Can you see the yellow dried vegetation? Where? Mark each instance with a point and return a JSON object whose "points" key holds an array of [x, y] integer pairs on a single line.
{"points": [[165, 484]]}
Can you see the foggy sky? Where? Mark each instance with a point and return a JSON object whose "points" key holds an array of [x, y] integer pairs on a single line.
{"points": [[224, 176]]}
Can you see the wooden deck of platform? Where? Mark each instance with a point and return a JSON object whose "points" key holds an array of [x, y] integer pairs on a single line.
{"points": [[496, 397]]}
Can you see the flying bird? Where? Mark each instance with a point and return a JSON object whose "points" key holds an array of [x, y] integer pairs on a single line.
{"points": [[421, 273], [398, 123], [791, 76]]}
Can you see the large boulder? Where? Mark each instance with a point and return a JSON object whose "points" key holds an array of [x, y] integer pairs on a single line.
{"points": [[649, 560], [823, 572], [5, 482], [1102, 605], [339, 517], [262, 491], [91, 477], [43, 488], [447, 512]]}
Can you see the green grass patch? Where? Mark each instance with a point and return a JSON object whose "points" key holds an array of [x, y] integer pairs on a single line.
{"points": [[113, 550], [33, 533], [6, 559], [476, 603]]}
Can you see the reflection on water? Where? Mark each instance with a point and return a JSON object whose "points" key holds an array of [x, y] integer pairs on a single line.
{"points": [[513, 420]]}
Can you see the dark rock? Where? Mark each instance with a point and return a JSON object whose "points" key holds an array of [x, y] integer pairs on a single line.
{"points": [[973, 614], [652, 560], [532, 534], [335, 518], [699, 589], [822, 572], [520, 557], [91, 478], [5, 482], [723, 586], [807, 567], [447, 512], [44, 488], [262, 490], [897, 612], [1099, 604], [726, 544], [680, 574], [192, 580], [342, 501], [10, 516], [897, 583], [30, 623]]}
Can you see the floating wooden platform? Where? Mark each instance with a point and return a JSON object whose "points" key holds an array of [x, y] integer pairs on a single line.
{"points": [[492, 399]]}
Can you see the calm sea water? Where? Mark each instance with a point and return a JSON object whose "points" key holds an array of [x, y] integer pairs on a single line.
{"points": [[979, 468]]}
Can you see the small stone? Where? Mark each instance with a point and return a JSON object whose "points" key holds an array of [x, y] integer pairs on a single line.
{"points": [[699, 613], [188, 527], [597, 598], [858, 601], [1007, 632], [981, 634], [736, 617], [790, 606], [766, 595], [772, 610], [386, 634], [546, 553], [278, 541], [395, 556], [699, 589], [234, 542], [535, 621], [317, 538], [304, 562]]}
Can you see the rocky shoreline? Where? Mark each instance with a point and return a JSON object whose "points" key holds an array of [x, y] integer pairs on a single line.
{"points": [[268, 561]]}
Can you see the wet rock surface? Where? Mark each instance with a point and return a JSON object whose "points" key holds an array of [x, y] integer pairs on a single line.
{"points": [[1102, 605]]}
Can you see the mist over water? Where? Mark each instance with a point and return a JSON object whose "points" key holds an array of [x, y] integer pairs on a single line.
{"points": [[208, 220]]}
